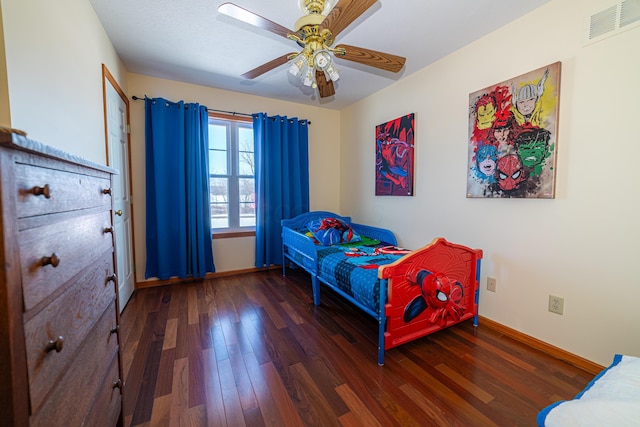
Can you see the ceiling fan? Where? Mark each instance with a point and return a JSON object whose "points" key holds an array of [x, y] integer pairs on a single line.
{"points": [[315, 33]]}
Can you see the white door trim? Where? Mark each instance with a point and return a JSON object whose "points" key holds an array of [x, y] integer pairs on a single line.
{"points": [[117, 140]]}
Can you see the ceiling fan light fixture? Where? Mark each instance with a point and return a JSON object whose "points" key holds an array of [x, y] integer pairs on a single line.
{"points": [[309, 78], [321, 59], [297, 65], [331, 72]]}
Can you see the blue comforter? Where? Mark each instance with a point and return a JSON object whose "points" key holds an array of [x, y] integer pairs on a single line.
{"points": [[354, 270]]}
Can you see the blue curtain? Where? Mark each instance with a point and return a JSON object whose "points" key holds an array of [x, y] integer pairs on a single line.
{"points": [[281, 147], [177, 180]]}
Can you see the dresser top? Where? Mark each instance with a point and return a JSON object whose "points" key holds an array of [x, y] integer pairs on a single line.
{"points": [[22, 143]]}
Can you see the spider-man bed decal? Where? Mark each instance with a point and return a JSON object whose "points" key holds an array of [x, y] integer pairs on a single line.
{"points": [[440, 294]]}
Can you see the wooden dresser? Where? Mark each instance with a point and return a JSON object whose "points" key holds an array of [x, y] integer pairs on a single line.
{"points": [[60, 357]]}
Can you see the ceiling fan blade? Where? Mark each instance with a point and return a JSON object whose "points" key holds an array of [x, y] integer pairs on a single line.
{"points": [[249, 17], [268, 66], [325, 87], [384, 61], [344, 13]]}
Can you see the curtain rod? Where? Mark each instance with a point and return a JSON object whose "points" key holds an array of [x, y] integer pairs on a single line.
{"points": [[233, 113]]}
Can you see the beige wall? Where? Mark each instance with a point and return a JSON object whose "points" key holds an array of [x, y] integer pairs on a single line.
{"points": [[324, 146], [5, 112], [54, 56], [582, 245]]}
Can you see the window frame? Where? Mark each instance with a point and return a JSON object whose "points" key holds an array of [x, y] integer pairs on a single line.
{"points": [[233, 123]]}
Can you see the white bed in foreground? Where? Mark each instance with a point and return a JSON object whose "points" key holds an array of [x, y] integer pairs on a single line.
{"points": [[612, 398]]}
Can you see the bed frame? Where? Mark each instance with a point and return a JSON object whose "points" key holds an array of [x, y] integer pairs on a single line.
{"points": [[411, 277]]}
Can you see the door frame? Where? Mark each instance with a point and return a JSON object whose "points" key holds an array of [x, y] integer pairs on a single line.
{"points": [[107, 76]]}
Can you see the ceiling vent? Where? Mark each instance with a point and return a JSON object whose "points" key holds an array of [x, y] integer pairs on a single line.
{"points": [[612, 20]]}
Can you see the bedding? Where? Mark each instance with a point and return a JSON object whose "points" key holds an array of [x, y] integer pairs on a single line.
{"points": [[612, 398], [411, 293], [330, 231], [354, 270]]}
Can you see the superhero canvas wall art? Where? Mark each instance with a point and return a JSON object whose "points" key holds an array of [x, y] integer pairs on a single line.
{"points": [[513, 128], [394, 157]]}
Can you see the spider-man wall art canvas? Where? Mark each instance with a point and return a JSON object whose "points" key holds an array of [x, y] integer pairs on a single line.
{"points": [[394, 157], [513, 128]]}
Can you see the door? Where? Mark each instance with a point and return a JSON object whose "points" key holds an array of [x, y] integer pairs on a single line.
{"points": [[116, 122]]}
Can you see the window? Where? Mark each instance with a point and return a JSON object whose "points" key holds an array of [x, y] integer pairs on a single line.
{"points": [[231, 173]]}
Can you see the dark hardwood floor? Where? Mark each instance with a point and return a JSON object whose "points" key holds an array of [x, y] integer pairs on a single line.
{"points": [[253, 350]]}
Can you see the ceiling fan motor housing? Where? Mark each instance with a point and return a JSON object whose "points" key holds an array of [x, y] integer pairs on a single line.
{"points": [[320, 7], [309, 20]]}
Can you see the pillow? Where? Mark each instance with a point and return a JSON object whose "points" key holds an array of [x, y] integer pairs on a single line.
{"points": [[331, 231], [310, 235]]}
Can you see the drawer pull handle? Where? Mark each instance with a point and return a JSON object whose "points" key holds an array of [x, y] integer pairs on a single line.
{"points": [[112, 278], [115, 330], [118, 384], [55, 345], [42, 191], [106, 191], [108, 229], [118, 212], [54, 260]]}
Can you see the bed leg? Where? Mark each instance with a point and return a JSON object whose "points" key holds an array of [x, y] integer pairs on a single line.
{"points": [[284, 262], [382, 319], [381, 323], [477, 295], [315, 287], [475, 318]]}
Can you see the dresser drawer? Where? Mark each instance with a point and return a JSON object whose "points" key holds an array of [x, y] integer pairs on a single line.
{"points": [[51, 255], [42, 190], [106, 410], [66, 322], [70, 401]]}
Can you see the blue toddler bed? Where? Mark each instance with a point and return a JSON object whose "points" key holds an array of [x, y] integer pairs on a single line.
{"points": [[410, 293]]}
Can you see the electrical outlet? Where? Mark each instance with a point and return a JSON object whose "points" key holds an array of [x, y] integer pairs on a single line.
{"points": [[556, 304], [491, 284]]}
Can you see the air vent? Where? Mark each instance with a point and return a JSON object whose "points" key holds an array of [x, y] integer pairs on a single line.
{"points": [[612, 20], [603, 22], [629, 12]]}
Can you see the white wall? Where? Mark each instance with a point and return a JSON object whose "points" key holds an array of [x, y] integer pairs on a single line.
{"points": [[324, 147], [582, 245], [54, 56]]}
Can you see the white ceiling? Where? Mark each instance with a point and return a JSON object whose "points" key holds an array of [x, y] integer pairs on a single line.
{"points": [[190, 41]]}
